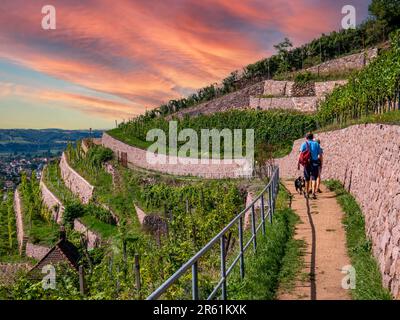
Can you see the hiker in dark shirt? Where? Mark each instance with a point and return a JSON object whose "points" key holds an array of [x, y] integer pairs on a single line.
{"points": [[311, 170]]}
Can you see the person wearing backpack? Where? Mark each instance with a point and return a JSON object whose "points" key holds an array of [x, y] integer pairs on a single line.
{"points": [[310, 152]]}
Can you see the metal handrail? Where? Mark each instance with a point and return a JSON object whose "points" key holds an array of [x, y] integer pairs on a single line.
{"points": [[272, 189]]}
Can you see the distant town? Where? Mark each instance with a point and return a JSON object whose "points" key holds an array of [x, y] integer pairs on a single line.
{"points": [[12, 166], [24, 150]]}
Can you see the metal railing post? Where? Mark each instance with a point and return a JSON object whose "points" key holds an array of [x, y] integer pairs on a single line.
{"points": [[241, 247], [253, 227], [223, 269], [270, 203], [263, 214], [273, 197], [271, 191], [195, 282]]}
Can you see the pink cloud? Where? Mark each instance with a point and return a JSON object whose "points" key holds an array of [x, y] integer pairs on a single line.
{"points": [[143, 50]]}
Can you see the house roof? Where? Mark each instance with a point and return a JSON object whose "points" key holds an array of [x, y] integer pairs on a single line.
{"points": [[62, 251]]}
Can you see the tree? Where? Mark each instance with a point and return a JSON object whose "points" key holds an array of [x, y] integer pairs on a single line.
{"points": [[386, 10], [283, 52], [284, 46]]}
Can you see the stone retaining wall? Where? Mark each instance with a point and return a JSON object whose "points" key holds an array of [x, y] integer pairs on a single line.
{"points": [[278, 88], [29, 249], [77, 184], [324, 88], [9, 271], [366, 159], [52, 203], [50, 200], [19, 220], [304, 104], [352, 62], [235, 100], [175, 166], [283, 96], [36, 251]]}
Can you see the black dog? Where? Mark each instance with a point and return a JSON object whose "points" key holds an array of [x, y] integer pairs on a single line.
{"points": [[300, 184]]}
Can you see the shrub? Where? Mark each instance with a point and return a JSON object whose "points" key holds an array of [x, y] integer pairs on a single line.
{"points": [[100, 213], [99, 155], [303, 77], [72, 211]]}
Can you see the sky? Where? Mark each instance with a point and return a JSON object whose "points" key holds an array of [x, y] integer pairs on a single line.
{"points": [[109, 61]]}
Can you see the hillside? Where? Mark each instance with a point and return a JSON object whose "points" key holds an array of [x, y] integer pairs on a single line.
{"points": [[33, 142], [136, 223]]}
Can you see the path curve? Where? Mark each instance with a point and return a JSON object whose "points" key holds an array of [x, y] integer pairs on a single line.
{"points": [[325, 255]]}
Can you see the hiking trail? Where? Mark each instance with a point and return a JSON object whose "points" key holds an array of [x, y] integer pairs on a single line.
{"points": [[325, 252]]}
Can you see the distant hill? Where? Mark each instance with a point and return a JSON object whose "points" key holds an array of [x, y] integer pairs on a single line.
{"points": [[39, 141]]}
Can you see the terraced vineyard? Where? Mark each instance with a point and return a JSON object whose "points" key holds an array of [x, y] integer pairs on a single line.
{"points": [[148, 224]]}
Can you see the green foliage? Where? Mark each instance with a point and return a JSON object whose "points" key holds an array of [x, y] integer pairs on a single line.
{"points": [[303, 77], [369, 280], [97, 155], [387, 11], [90, 165], [51, 176], [37, 219], [99, 213], [375, 89], [277, 259], [8, 239], [104, 229], [72, 211], [277, 128], [67, 287]]}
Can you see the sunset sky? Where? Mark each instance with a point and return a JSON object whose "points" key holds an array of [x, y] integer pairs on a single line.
{"points": [[110, 60]]}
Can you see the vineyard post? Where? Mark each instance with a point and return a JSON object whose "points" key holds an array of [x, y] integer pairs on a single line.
{"points": [[110, 265], [117, 282], [125, 257], [270, 204], [223, 268], [82, 285], [137, 272], [262, 214], [241, 247], [253, 228]]}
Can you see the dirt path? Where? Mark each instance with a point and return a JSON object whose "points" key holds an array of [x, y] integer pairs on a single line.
{"points": [[322, 230]]}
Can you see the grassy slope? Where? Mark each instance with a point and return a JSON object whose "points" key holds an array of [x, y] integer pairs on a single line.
{"points": [[53, 180], [39, 230], [368, 277], [277, 262], [389, 118], [104, 229]]}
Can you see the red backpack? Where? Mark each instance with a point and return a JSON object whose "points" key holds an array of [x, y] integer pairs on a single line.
{"points": [[305, 156]]}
